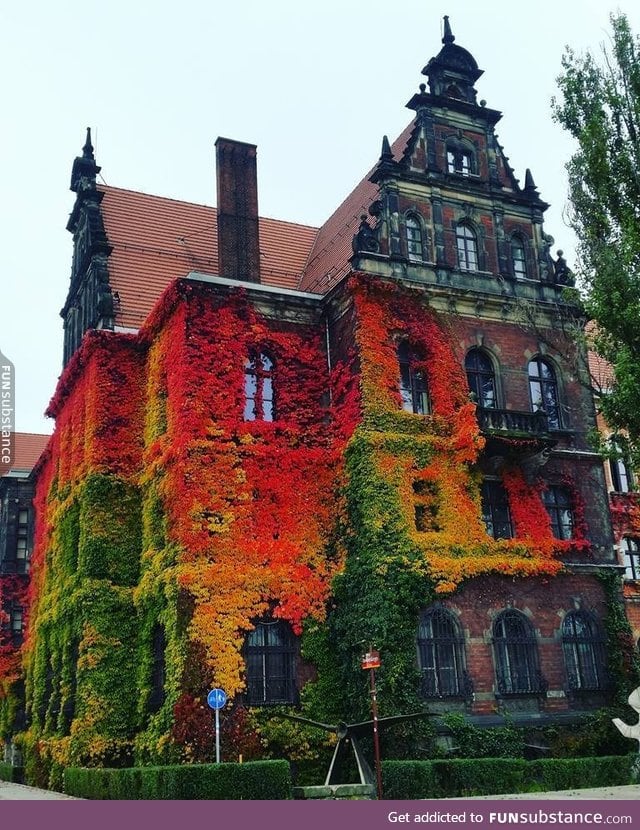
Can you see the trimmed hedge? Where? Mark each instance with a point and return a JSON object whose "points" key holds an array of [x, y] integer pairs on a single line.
{"points": [[494, 776], [256, 780], [10, 773]]}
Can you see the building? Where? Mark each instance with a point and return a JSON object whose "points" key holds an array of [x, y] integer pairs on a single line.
{"points": [[16, 531], [624, 500], [277, 445]]}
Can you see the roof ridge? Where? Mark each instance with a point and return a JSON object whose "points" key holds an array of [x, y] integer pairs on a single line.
{"points": [[108, 187]]}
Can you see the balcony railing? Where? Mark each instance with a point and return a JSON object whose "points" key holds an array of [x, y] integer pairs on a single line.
{"points": [[509, 421]]}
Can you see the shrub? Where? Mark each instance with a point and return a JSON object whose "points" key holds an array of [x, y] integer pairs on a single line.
{"points": [[256, 780], [493, 776], [10, 773]]}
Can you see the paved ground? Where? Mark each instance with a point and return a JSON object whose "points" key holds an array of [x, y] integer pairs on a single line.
{"points": [[18, 792], [630, 793]]}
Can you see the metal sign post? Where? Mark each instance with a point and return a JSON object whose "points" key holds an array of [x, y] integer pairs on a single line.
{"points": [[371, 661], [216, 700]]}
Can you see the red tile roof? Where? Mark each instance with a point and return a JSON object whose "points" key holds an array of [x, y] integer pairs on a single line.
{"points": [[156, 239], [329, 257], [28, 447]]}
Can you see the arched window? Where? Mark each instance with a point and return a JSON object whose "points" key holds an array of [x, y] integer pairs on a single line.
{"points": [[518, 257], [258, 388], [631, 554], [516, 655], [158, 668], [270, 662], [583, 647], [495, 510], [414, 238], [621, 477], [557, 500], [467, 247], [481, 378], [413, 384], [440, 655], [543, 389]]}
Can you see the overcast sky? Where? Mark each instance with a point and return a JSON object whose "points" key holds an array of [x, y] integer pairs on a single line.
{"points": [[314, 85]]}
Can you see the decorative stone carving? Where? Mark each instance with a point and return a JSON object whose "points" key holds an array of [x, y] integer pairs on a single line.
{"points": [[632, 731], [366, 239]]}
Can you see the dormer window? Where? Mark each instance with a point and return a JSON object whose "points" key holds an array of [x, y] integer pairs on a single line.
{"points": [[459, 161]]}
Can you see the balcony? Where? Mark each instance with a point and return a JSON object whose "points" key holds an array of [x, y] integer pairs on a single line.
{"points": [[508, 422]]}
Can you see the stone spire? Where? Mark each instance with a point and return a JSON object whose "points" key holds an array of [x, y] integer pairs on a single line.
{"points": [[85, 169]]}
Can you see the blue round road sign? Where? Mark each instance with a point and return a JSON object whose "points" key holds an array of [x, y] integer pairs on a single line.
{"points": [[216, 698]]}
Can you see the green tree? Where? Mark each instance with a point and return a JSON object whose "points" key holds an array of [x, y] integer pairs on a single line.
{"points": [[599, 104]]}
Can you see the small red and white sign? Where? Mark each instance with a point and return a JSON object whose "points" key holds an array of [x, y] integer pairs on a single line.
{"points": [[370, 660]]}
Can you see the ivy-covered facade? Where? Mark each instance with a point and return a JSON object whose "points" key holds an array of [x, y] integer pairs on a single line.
{"points": [[287, 457]]}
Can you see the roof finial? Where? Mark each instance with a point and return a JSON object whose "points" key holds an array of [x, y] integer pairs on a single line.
{"points": [[87, 150], [386, 154], [448, 34], [529, 184]]}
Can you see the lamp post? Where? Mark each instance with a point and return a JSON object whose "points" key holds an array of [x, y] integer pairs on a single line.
{"points": [[370, 662]]}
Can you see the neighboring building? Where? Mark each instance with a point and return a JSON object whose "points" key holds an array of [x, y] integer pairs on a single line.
{"points": [[271, 437], [624, 501], [16, 532]]}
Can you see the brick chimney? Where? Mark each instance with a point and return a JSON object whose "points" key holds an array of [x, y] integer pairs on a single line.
{"points": [[238, 243]]}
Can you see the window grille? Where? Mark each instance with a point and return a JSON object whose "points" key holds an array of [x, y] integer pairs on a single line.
{"points": [[441, 656], [516, 655], [270, 659]]}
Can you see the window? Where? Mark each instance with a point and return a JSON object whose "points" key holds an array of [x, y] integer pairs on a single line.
{"points": [[16, 622], [459, 161], [518, 257], [440, 654], [631, 556], [467, 246], [583, 647], [258, 388], [557, 500], [495, 510], [516, 655], [621, 478], [22, 535], [413, 384], [158, 668], [270, 655], [481, 378], [543, 389], [414, 239]]}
